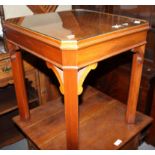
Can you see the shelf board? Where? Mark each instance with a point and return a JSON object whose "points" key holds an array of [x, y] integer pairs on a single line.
{"points": [[8, 100], [102, 122]]}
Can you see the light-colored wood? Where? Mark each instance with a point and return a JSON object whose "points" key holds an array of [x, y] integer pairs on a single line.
{"points": [[82, 74], [135, 80], [59, 74]]}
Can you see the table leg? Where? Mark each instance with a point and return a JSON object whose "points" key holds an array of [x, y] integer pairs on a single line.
{"points": [[71, 107], [18, 76], [135, 79]]}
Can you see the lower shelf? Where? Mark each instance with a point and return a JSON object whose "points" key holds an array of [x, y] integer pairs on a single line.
{"points": [[8, 100], [102, 122]]}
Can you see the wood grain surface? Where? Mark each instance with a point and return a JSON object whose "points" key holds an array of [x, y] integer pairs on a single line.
{"points": [[102, 122]]}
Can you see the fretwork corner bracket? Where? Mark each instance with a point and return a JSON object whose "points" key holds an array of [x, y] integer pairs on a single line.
{"points": [[82, 74]]}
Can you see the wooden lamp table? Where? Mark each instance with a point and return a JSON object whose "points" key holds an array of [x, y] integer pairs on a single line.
{"points": [[72, 43]]}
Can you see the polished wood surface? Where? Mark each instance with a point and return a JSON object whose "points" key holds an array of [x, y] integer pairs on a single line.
{"points": [[71, 55], [112, 87], [142, 12], [8, 104], [135, 80], [71, 107], [135, 11], [132, 36], [17, 67], [98, 129], [109, 83], [81, 25], [130, 145]]}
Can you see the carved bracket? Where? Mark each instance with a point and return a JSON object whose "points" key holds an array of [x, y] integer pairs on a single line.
{"points": [[82, 74], [59, 74]]}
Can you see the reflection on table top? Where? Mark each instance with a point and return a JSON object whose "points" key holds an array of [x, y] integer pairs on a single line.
{"points": [[75, 24]]}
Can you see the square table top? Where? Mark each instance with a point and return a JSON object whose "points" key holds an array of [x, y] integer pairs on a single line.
{"points": [[77, 35], [75, 25]]}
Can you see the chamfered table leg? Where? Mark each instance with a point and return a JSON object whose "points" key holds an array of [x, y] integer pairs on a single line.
{"points": [[71, 107], [136, 73], [19, 82]]}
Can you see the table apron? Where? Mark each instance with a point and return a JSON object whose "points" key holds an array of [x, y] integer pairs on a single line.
{"points": [[80, 57], [110, 48]]}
